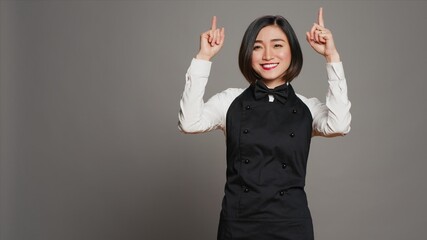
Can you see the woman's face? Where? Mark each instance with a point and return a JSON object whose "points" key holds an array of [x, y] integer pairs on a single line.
{"points": [[271, 55]]}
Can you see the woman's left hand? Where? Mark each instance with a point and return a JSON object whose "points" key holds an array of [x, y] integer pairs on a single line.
{"points": [[321, 40]]}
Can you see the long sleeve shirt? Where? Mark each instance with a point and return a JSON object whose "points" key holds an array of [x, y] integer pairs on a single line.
{"points": [[196, 116]]}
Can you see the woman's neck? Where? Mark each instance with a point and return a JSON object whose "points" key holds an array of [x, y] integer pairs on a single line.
{"points": [[273, 83]]}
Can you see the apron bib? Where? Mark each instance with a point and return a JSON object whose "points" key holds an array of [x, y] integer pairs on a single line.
{"points": [[267, 151]]}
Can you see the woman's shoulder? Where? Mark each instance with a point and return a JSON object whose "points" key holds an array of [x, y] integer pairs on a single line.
{"points": [[313, 103], [307, 100], [229, 94], [234, 91]]}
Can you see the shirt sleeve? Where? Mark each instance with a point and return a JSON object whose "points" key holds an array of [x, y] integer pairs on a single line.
{"points": [[195, 115], [332, 118]]}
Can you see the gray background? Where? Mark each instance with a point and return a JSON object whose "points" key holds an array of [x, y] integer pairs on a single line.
{"points": [[89, 97]]}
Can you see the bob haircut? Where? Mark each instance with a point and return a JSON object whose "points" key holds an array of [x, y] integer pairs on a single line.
{"points": [[248, 41]]}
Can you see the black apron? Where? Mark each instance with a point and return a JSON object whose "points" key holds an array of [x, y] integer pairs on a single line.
{"points": [[267, 150]]}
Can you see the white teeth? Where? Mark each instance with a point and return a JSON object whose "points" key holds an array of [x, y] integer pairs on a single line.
{"points": [[270, 65]]}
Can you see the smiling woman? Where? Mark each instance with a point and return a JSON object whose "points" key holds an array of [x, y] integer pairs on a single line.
{"points": [[271, 56], [267, 125], [270, 38]]}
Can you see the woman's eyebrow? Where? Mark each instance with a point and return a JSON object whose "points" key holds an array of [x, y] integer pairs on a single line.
{"points": [[272, 40], [277, 40]]}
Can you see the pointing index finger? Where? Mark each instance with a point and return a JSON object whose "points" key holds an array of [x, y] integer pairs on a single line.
{"points": [[320, 18], [213, 23]]}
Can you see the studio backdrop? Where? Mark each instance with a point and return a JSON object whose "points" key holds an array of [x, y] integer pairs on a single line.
{"points": [[89, 101]]}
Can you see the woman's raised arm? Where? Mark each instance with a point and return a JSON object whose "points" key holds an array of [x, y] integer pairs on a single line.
{"points": [[332, 118], [196, 116]]}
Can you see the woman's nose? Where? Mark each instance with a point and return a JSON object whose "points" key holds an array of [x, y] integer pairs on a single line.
{"points": [[267, 54]]}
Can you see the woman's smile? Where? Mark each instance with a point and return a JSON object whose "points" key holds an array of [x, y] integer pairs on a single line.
{"points": [[269, 66]]}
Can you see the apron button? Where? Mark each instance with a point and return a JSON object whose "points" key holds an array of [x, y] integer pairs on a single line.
{"points": [[294, 111], [282, 193], [284, 165], [245, 131], [248, 107], [292, 134]]}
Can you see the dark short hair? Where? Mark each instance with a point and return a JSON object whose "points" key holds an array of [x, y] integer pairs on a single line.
{"points": [[248, 41]]}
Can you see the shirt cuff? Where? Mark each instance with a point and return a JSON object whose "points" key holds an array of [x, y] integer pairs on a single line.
{"points": [[199, 67], [335, 71]]}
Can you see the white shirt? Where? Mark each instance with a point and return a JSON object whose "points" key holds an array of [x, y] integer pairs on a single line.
{"points": [[195, 116]]}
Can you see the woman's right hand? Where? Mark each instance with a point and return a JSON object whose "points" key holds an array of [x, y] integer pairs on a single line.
{"points": [[211, 42]]}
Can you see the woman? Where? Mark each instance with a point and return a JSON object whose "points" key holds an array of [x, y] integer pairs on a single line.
{"points": [[268, 126]]}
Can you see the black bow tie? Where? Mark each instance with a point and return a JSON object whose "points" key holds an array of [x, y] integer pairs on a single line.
{"points": [[280, 93]]}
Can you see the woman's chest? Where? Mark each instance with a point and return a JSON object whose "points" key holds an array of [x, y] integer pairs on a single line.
{"points": [[269, 125]]}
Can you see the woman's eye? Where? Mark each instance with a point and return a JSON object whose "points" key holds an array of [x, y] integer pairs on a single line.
{"points": [[256, 47], [277, 45]]}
